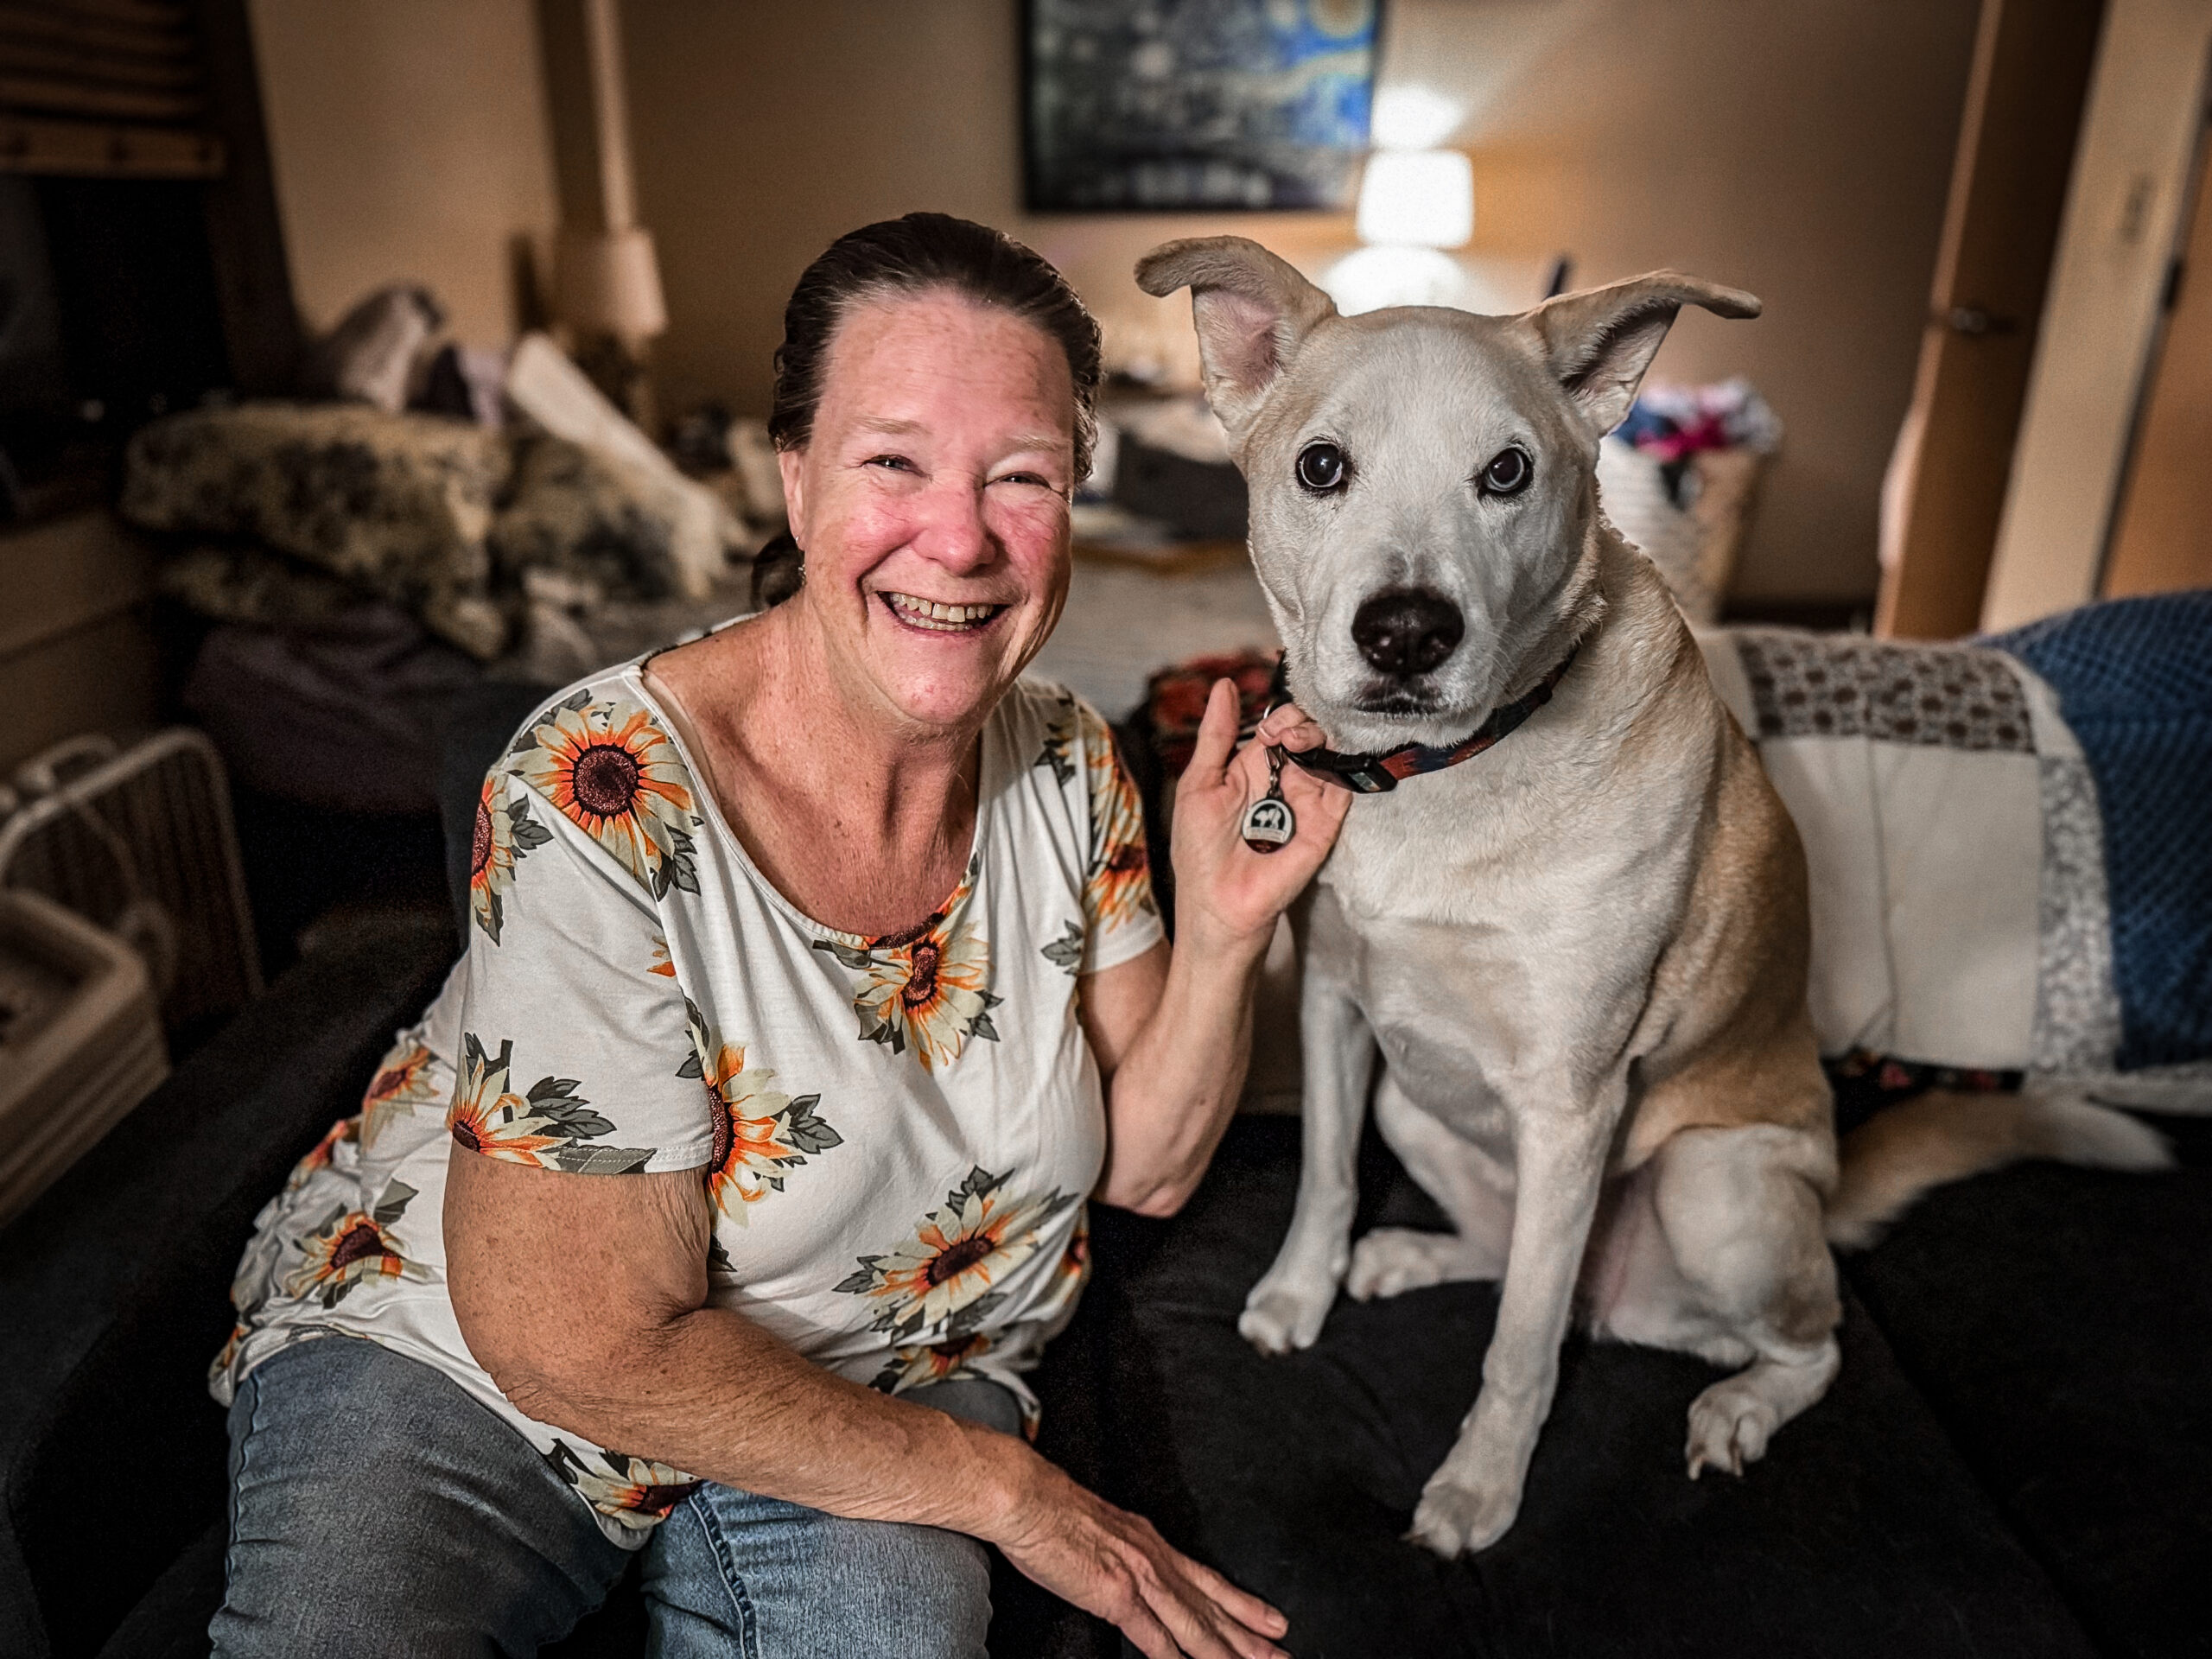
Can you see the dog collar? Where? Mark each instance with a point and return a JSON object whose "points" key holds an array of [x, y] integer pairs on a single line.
{"points": [[1378, 774]]}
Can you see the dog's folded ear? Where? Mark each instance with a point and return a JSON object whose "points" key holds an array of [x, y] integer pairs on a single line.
{"points": [[1251, 310], [1599, 341]]}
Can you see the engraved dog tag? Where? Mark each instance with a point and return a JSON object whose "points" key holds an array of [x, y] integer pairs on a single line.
{"points": [[1268, 821]]}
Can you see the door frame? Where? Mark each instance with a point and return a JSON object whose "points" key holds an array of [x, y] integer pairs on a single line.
{"points": [[2128, 209]]}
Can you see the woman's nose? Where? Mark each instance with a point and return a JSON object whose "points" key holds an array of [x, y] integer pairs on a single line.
{"points": [[953, 533]]}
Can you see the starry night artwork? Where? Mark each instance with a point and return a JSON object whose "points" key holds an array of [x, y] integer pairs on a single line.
{"points": [[1160, 105]]}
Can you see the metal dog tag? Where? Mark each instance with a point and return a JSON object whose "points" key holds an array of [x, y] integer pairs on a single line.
{"points": [[1268, 821]]}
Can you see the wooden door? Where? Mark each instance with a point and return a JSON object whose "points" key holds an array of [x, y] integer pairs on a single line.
{"points": [[2162, 533], [1946, 491]]}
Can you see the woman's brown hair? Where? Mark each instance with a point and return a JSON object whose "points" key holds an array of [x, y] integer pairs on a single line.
{"points": [[908, 256]]}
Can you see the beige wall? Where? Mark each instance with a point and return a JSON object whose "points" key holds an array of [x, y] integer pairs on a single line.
{"points": [[1800, 150], [763, 131], [410, 144]]}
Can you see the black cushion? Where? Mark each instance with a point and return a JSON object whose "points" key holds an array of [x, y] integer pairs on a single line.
{"points": [[1861, 1533], [2059, 1321]]}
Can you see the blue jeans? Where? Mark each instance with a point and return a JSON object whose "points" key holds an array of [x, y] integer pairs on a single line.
{"points": [[377, 1511]]}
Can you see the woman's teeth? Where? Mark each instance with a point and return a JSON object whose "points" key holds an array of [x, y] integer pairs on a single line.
{"points": [[945, 618]]}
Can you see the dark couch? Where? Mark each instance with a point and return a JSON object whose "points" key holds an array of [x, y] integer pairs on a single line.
{"points": [[2016, 1459]]}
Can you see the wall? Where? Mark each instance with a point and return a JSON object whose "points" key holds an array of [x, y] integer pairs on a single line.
{"points": [[1802, 151], [410, 142], [763, 132]]}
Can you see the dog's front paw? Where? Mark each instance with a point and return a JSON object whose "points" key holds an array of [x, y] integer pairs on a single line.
{"points": [[1280, 1316], [1456, 1518], [1730, 1424], [1390, 1260]]}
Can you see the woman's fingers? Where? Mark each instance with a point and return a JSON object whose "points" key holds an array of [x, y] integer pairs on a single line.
{"points": [[1147, 1634], [1205, 1629], [1208, 1615], [1217, 734], [1248, 1609], [1117, 1566], [1288, 727]]}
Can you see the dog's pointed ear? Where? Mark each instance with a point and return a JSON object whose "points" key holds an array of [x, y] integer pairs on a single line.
{"points": [[1600, 341], [1252, 312]]}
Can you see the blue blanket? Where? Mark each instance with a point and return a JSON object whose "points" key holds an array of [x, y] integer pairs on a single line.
{"points": [[2134, 677]]}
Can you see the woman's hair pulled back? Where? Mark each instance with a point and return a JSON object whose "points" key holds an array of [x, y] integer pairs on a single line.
{"points": [[910, 256]]}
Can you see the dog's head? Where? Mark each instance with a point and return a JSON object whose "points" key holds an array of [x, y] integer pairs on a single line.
{"points": [[1423, 481]]}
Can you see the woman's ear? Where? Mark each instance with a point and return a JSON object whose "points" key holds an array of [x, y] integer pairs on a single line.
{"points": [[791, 464]]}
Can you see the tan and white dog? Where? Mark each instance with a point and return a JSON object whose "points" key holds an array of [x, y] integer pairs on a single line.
{"points": [[1582, 954]]}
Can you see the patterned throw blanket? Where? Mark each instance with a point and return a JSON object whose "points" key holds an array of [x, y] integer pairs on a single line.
{"points": [[2135, 678]]}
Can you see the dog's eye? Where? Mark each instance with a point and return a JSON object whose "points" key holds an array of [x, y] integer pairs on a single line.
{"points": [[1321, 467], [1509, 472]]}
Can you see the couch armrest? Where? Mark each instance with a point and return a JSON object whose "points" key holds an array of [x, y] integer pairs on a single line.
{"points": [[116, 1285]]}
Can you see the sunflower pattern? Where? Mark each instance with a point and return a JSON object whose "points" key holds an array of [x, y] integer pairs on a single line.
{"points": [[941, 1283], [320, 1156], [546, 1127], [402, 1083], [352, 1245], [607, 765], [1060, 739], [1065, 953], [637, 1494], [925, 988], [759, 1133], [1119, 885], [504, 832], [920, 1364]]}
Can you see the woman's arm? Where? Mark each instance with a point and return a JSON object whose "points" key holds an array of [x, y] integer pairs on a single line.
{"points": [[1173, 1030], [624, 1351]]}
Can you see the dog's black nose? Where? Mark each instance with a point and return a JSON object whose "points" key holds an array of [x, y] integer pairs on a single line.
{"points": [[1409, 631]]}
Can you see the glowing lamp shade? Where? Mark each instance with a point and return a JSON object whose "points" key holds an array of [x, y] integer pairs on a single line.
{"points": [[608, 282], [1417, 198]]}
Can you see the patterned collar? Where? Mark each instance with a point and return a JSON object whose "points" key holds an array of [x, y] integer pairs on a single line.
{"points": [[1378, 774]]}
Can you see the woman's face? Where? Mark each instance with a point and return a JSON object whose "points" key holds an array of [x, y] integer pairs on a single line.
{"points": [[931, 499]]}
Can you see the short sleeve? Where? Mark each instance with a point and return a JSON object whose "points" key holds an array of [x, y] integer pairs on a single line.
{"points": [[575, 1052], [1121, 920]]}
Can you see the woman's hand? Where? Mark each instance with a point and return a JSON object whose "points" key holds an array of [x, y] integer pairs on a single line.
{"points": [[1221, 883], [1114, 1564]]}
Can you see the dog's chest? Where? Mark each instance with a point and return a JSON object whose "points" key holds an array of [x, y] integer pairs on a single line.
{"points": [[1487, 945]]}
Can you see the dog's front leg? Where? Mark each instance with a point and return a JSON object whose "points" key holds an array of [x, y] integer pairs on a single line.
{"points": [[1285, 1308], [1559, 1166]]}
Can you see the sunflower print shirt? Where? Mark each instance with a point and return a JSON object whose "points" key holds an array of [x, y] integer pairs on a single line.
{"points": [[897, 1133]]}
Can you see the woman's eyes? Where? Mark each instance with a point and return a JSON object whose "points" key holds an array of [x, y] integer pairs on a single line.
{"points": [[904, 464]]}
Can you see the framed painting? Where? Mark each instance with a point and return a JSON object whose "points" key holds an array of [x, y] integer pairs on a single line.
{"points": [[1167, 105]]}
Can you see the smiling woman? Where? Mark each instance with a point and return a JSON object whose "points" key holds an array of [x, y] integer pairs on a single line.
{"points": [[816, 981]]}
